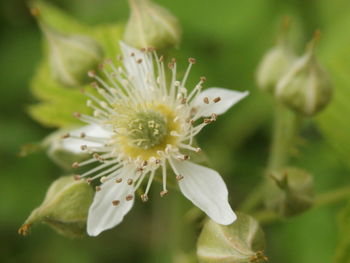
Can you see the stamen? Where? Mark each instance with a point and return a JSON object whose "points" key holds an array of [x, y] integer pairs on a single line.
{"points": [[163, 193], [179, 177], [129, 197], [144, 198], [118, 180], [217, 99], [115, 202]]}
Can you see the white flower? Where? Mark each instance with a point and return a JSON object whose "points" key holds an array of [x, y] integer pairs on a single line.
{"points": [[140, 125]]}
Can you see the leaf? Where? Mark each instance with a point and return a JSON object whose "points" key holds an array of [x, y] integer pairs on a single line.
{"points": [[335, 54], [58, 103], [342, 254]]}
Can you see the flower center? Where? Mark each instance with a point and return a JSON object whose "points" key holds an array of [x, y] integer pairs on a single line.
{"points": [[147, 129]]}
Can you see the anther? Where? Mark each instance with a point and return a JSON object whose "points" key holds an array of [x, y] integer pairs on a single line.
{"points": [[144, 163], [183, 101], [76, 114], [132, 54], [115, 202], [103, 179], [186, 157], [163, 193], [88, 180], [83, 147], [75, 165], [139, 61], [206, 100], [217, 99], [82, 135], [130, 181], [203, 79], [98, 188], [118, 180], [179, 177], [94, 84], [144, 198], [170, 65], [192, 60], [198, 150], [35, 11], [214, 116], [206, 120], [65, 136], [161, 58], [77, 177], [91, 73], [129, 197]]}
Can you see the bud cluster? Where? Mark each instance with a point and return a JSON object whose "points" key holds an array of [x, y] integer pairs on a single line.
{"points": [[300, 83]]}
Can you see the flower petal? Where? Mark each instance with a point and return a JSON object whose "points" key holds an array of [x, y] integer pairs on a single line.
{"points": [[227, 99], [73, 145], [206, 189], [103, 214], [140, 74]]}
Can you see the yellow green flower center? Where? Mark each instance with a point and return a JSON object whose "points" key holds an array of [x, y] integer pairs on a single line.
{"points": [[147, 129]]}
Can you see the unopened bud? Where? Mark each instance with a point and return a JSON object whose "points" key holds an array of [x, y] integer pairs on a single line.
{"points": [[275, 62], [151, 25], [71, 56], [290, 192], [64, 208], [241, 242], [305, 88]]}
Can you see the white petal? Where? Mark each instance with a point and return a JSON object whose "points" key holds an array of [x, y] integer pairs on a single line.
{"points": [[227, 99], [206, 189], [140, 74], [73, 145], [103, 214]]}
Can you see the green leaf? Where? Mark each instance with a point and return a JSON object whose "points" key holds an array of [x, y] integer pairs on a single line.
{"points": [[342, 254], [57, 102], [335, 54]]}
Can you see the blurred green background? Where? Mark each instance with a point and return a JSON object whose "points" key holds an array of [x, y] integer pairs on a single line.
{"points": [[228, 38]]}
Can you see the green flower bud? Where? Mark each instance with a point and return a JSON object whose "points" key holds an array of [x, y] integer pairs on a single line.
{"points": [[305, 88], [241, 242], [64, 208], [151, 25], [71, 56], [275, 62], [62, 151], [290, 192]]}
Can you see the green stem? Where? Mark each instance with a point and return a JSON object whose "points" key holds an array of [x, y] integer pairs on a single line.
{"points": [[331, 197], [286, 126]]}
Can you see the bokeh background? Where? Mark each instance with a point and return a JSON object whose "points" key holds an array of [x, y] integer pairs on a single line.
{"points": [[228, 39]]}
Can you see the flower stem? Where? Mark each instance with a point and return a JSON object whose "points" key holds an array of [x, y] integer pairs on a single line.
{"points": [[286, 126], [285, 129]]}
